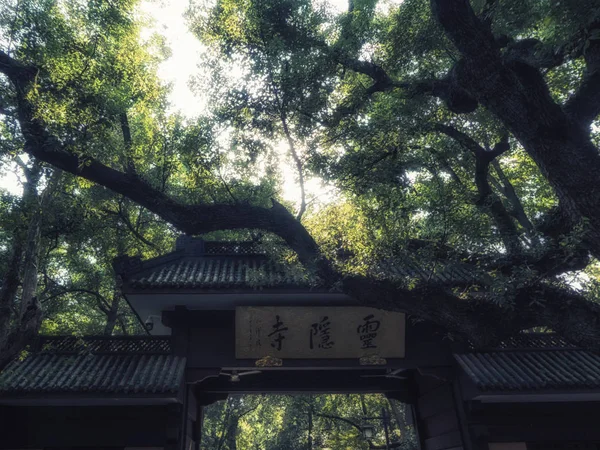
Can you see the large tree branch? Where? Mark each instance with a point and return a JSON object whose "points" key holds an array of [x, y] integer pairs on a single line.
{"points": [[123, 214], [19, 74], [487, 199], [457, 98], [191, 219], [518, 95], [112, 313], [483, 320], [557, 259], [100, 300], [584, 104], [292, 146], [126, 130], [472, 37], [298, 164], [509, 192], [341, 419]]}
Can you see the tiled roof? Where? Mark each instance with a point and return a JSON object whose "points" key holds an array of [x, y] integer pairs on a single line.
{"points": [[47, 373], [158, 345], [522, 341], [532, 370], [210, 272], [213, 272], [199, 264], [438, 272]]}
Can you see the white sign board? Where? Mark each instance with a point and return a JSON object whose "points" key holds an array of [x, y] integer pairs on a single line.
{"points": [[318, 332]]}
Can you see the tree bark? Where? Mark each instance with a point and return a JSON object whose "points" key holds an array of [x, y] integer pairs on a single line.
{"points": [[113, 313], [12, 278], [487, 199], [9, 289], [191, 219], [28, 316], [509, 192], [518, 95], [12, 336]]}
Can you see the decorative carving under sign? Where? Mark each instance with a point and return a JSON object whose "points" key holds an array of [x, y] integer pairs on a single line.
{"points": [[372, 360], [269, 361], [318, 332]]}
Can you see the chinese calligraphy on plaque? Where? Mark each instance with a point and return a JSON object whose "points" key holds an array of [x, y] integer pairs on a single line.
{"points": [[368, 331], [318, 332], [278, 334]]}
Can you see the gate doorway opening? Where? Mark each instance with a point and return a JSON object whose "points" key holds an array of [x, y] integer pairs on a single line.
{"points": [[308, 422]]}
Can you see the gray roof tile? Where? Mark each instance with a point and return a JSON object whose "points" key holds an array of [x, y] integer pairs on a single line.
{"points": [[45, 373], [199, 264], [519, 370], [210, 272], [432, 271]]}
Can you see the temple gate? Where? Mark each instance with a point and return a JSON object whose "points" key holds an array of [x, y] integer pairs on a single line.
{"points": [[222, 318]]}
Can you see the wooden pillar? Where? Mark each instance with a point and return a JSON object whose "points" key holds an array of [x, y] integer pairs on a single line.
{"points": [[436, 410], [197, 435], [203, 399], [173, 427], [459, 400], [418, 424]]}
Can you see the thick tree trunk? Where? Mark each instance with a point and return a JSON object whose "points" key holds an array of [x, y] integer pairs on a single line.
{"points": [[518, 95], [9, 289], [29, 314], [487, 200], [28, 318], [30, 269], [113, 313], [12, 278], [12, 339]]}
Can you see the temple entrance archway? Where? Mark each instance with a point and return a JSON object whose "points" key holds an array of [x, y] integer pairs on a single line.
{"points": [[214, 311]]}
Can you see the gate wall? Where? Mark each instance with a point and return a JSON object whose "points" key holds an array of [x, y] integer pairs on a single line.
{"points": [[438, 412]]}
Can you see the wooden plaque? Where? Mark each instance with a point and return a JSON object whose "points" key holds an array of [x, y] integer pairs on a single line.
{"points": [[318, 332]]}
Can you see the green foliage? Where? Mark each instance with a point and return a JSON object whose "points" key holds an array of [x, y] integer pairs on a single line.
{"points": [[270, 422], [94, 71], [279, 78]]}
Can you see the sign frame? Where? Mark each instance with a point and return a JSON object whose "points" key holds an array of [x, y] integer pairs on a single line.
{"points": [[318, 332]]}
